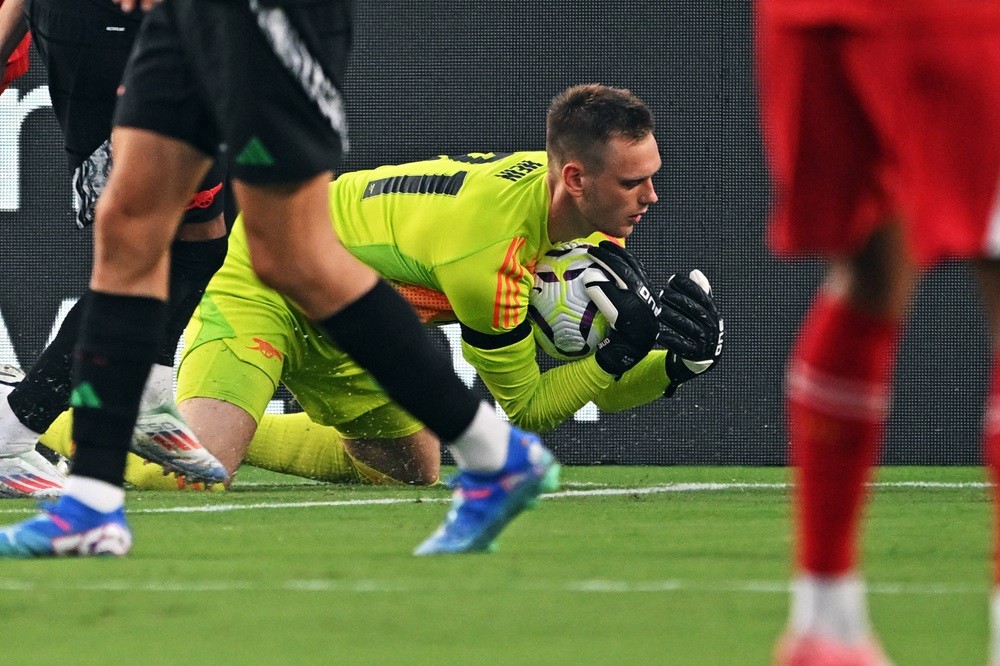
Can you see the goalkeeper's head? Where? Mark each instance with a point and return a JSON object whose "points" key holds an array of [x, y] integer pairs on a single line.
{"points": [[583, 119]]}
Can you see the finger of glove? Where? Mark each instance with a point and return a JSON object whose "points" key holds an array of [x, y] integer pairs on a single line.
{"points": [[675, 302], [683, 325], [627, 271], [692, 348], [617, 269], [679, 344], [699, 278], [608, 298], [698, 367], [693, 292], [627, 257]]}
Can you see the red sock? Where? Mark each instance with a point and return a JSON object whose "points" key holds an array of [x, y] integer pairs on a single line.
{"points": [[991, 446], [838, 399]]}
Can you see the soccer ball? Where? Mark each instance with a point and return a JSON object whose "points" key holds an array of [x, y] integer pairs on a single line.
{"points": [[567, 324]]}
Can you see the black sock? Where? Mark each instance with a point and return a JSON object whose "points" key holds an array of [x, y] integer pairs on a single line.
{"points": [[192, 265], [43, 394], [382, 333], [119, 338]]}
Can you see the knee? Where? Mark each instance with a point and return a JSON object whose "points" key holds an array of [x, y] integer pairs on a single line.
{"points": [[127, 238], [421, 471]]}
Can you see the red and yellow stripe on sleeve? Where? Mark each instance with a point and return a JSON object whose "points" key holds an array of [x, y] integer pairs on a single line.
{"points": [[506, 305]]}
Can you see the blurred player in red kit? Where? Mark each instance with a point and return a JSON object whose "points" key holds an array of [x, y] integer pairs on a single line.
{"points": [[882, 123]]}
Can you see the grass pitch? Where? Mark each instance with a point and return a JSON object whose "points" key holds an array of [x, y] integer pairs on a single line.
{"points": [[626, 565]]}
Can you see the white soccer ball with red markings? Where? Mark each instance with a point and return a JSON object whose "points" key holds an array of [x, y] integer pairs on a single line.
{"points": [[567, 324]]}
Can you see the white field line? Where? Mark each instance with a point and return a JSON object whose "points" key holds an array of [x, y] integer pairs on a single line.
{"points": [[592, 492], [597, 586]]}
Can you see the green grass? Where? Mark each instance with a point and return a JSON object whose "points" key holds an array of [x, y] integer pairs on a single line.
{"points": [[692, 577]]}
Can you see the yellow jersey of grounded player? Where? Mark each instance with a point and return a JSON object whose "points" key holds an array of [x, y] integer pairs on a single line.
{"points": [[459, 236]]}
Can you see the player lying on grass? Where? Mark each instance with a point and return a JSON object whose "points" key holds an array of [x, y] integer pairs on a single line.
{"points": [[458, 236]]}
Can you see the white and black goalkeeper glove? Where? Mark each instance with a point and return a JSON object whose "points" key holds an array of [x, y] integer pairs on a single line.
{"points": [[690, 328], [622, 291]]}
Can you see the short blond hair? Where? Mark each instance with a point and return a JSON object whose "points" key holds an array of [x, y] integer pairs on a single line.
{"points": [[582, 119]]}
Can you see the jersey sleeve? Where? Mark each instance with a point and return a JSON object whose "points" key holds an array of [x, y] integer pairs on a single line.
{"points": [[489, 293], [541, 401], [488, 289], [641, 385], [532, 399]]}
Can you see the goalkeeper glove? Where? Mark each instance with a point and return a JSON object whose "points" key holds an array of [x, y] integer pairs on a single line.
{"points": [[691, 328], [622, 291]]}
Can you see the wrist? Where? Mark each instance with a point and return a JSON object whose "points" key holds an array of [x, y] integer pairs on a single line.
{"points": [[614, 360]]}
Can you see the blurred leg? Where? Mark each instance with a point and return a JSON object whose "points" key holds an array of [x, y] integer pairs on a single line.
{"points": [[988, 277], [838, 397]]}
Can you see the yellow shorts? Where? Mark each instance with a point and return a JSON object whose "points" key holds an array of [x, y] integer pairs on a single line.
{"points": [[244, 339]]}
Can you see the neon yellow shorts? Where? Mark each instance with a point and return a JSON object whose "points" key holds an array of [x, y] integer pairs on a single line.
{"points": [[242, 342]]}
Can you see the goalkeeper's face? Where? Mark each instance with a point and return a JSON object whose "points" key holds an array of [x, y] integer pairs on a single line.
{"points": [[616, 196]]}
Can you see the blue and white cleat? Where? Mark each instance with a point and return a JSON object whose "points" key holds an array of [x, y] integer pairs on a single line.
{"points": [[67, 528], [482, 504]]}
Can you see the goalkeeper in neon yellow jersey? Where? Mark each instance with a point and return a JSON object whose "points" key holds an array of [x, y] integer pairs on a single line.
{"points": [[458, 236]]}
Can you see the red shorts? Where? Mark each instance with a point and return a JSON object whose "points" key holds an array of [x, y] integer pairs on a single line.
{"points": [[867, 125]]}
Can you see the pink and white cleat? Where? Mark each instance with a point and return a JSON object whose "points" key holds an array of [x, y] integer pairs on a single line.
{"points": [[813, 650]]}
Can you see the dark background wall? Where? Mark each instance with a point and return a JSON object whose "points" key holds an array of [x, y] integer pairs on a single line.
{"points": [[429, 77]]}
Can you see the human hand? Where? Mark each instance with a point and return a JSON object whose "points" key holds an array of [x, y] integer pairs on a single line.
{"points": [[691, 328], [622, 291]]}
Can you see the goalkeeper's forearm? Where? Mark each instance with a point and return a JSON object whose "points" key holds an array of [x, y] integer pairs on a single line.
{"points": [[639, 386], [534, 400]]}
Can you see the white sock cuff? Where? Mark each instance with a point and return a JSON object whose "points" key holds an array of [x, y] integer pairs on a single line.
{"points": [[833, 607], [995, 626], [483, 445], [159, 388], [98, 495]]}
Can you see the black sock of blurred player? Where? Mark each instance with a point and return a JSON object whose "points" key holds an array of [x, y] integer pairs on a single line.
{"points": [[120, 337], [192, 265], [44, 392], [383, 334]]}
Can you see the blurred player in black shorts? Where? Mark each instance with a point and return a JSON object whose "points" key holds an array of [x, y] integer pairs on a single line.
{"points": [[85, 45], [262, 78]]}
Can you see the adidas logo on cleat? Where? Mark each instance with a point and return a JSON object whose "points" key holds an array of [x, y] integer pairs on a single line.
{"points": [[29, 485]]}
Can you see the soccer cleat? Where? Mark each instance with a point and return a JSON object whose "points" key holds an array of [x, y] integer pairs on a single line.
{"points": [[482, 505], [812, 650], [30, 475], [10, 375], [162, 436], [67, 528], [15, 437]]}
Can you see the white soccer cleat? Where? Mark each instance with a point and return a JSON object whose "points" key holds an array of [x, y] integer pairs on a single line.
{"points": [[15, 437], [30, 475], [10, 375], [162, 436]]}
